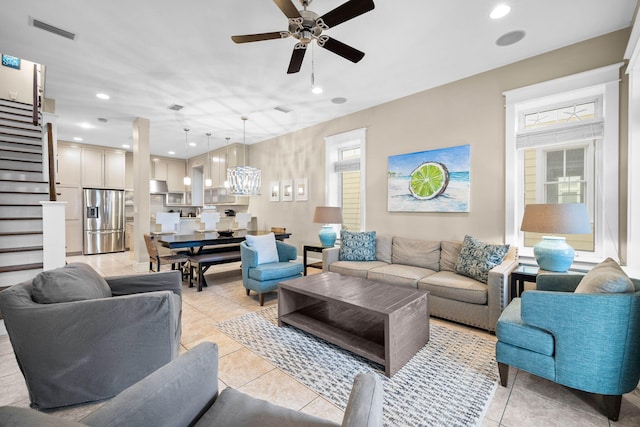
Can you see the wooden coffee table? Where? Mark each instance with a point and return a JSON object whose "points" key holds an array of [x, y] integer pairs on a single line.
{"points": [[383, 323]]}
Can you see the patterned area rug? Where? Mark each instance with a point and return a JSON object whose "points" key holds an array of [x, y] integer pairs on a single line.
{"points": [[449, 382]]}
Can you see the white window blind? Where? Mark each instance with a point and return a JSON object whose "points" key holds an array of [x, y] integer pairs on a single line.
{"points": [[560, 134], [347, 165]]}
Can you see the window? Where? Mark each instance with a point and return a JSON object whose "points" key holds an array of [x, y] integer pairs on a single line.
{"points": [[562, 147], [345, 177]]}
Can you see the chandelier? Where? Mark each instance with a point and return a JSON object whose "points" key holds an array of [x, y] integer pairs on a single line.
{"points": [[244, 180]]}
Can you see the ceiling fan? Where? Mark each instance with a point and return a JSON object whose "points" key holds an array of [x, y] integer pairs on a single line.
{"points": [[307, 26]]}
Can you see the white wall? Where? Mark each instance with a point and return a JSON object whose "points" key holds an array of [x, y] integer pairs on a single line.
{"points": [[18, 82]]}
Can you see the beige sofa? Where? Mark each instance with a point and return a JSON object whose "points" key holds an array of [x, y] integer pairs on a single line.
{"points": [[429, 265]]}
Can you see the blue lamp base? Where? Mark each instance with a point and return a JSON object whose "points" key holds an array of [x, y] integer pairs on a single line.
{"points": [[554, 254], [327, 236]]}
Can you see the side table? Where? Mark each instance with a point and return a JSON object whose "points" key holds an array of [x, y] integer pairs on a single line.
{"points": [[522, 273], [312, 248], [529, 273]]}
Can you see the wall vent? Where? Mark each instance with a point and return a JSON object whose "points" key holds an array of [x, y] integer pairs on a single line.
{"points": [[50, 28]]}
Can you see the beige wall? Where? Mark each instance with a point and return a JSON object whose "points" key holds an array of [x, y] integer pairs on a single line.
{"points": [[468, 111]]}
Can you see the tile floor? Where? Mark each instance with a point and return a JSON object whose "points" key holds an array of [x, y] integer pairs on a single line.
{"points": [[527, 401]]}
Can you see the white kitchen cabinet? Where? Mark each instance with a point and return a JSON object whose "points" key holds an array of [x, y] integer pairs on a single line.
{"points": [[103, 168], [68, 166], [114, 169], [170, 170], [73, 217], [175, 175], [92, 167]]}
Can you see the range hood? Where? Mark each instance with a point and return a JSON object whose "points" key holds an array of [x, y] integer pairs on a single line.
{"points": [[157, 186]]}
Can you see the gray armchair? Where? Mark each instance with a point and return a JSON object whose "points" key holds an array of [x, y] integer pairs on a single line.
{"points": [[78, 337], [185, 393]]}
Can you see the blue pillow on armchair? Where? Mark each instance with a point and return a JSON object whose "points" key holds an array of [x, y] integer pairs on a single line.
{"points": [[357, 246]]}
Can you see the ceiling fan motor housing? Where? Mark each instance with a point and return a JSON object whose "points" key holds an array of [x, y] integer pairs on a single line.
{"points": [[307, 30]]}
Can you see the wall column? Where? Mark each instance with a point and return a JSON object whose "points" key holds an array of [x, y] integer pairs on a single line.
{"points": [[141, 209], [53, 235]]}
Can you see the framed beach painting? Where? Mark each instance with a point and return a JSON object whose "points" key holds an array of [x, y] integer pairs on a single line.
{"points": [[430, 181]]}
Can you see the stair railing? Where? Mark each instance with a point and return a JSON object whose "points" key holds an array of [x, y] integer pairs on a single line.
{"points": [[52, 165], [35, 95]]}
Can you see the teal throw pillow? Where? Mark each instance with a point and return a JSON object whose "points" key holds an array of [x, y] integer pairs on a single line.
{"points": [[357, 246], [476, 258]]}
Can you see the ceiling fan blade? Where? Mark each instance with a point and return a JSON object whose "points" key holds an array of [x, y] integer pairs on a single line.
{"points": [[296, 58], [344, 12], [288, 8], [259, 37], [339, 48]]}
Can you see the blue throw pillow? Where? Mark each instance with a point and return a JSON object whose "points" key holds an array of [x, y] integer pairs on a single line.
{"points": [[476, 258], [357, 246]]}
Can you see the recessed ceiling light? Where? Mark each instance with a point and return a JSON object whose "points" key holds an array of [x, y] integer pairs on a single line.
{"points": [[500, 11], [126, 146], [172, 152], [510, 38], [85, 125], [339, 100], [103, 96], [77, 138], [192, 144], [316, 90]]}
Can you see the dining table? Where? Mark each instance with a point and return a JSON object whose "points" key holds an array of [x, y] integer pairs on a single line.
{"points": [[194, 242]]}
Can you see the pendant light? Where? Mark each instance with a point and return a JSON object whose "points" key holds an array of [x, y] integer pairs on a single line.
{"points": [[244, 180], [187, 178], [208, 182], [226, 162]]}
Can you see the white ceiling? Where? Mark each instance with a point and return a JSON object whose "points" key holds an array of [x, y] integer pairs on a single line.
{"points": [[150, 54]]}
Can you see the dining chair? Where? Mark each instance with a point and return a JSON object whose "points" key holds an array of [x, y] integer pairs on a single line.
{"points": [[160, 260]]}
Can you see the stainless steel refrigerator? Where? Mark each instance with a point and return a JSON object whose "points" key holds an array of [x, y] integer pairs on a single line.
{"points": [[103, 218]]}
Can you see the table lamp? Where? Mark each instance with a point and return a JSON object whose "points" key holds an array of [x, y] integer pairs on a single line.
{"points": [[552, 252], [327, 215]]}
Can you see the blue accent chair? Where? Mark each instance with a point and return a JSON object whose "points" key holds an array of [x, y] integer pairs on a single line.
{"points": [[588, 342], [263, 278]]}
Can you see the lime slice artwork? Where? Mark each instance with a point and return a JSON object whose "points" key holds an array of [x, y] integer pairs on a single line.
{"points": [[429, 180]]}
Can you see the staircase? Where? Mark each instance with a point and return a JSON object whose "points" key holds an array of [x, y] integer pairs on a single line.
{"points": [[22, 186]]}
